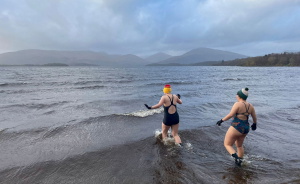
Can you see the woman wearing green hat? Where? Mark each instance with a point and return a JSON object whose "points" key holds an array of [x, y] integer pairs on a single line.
{"points": [[239, 126]]}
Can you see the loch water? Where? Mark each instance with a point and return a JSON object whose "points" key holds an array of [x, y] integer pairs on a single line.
{"points": [[90, 125]]}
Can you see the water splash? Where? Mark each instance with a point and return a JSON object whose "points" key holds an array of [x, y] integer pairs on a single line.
{"points": [[168, 141], [145, 113]]}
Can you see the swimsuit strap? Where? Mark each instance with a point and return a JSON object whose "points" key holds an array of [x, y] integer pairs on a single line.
{"points": [[171, 100], [247, 111]]}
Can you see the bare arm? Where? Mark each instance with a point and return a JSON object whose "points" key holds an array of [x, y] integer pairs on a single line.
{"points": [[253, 115], [179, 101], [160, 103], [233, 111]]}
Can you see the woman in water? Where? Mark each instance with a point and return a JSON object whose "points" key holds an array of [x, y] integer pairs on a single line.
{"points": [[171, 117], [239, 126]]}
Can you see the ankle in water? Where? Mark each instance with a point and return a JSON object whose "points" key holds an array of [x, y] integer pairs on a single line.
{"points": [[179, 144], [237, 159], [234, 155]]}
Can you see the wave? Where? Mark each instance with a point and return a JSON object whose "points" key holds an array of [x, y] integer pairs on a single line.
{"points": [[234, 79], [144, 113], [13, 84], [118, 81], [22, 91], [38, 106], [87, 82], [202, 159], [54, 131], [50, 131], [174, 83], [90, 87]]}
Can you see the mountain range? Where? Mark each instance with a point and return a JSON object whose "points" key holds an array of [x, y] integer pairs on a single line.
{"points": [[87, 58], [201, 55], [74, 58]]}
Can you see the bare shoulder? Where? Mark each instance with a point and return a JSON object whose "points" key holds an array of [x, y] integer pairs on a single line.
{"points": [[251, 106], [237, 104], [164, 96]]}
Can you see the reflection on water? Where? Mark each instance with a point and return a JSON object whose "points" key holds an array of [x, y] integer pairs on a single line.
{"points": [[238, 175]]}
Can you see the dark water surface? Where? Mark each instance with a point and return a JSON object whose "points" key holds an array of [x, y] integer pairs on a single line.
{"points": [[89, 125]]}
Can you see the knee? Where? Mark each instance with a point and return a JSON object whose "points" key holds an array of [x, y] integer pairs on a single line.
{"points": [[227, 144]]}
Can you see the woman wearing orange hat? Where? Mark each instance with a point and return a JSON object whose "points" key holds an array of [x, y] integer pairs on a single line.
{"points": [[171, 117]]}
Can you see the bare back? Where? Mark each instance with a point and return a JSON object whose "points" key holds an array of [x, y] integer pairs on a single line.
{"points": [[167, 102], [244, 109]]}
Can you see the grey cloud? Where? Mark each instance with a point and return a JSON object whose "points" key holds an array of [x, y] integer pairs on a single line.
{"points": [[139, 27]]}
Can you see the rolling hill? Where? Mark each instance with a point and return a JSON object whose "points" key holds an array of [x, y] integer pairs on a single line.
{"points": [[73, 58], [200, 55]]}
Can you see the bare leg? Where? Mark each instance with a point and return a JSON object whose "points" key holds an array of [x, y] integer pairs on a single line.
{"points": [[230, 138], [164, 130], [239, 145], [175, 133], [233, 136]]}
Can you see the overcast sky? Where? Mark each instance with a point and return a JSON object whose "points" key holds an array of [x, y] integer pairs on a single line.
{"points": [[144, 27]]}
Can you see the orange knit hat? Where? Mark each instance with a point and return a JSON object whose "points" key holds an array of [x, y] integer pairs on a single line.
{"points": [[167, 88]]}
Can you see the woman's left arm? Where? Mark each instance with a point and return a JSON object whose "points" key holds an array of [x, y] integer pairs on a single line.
{"points": [[179, 101]]}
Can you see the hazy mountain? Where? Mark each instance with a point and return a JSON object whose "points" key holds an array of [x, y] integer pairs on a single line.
{"points": [[41, 57], [90, 58], [157, 57], [201, 55]]}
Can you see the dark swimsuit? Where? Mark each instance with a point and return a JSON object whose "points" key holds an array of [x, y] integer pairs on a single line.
{"points": [[170, 119], [241, 125]]}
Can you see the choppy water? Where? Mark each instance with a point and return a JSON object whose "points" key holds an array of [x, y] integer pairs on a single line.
{"points": [[89, 125]]}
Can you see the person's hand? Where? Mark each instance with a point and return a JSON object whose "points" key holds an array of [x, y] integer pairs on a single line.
{"points": [[178, 96], [253, 126], [219, 122], [147, 106]]}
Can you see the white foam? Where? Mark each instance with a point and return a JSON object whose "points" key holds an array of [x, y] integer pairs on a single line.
{"points": [[168, 140], [188, 146], [157, 133], [145, 113], [246, 160]]}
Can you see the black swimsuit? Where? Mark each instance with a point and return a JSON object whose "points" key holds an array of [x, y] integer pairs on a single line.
{"points": [[170, 119]]}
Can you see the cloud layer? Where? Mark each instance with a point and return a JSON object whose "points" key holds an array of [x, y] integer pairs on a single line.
{"points": [[142, 27]]}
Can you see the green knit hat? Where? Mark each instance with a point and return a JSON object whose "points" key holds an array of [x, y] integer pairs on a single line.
{"points": [[243, 93]]}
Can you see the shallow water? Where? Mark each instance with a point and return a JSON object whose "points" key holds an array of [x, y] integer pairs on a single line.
{"points": [[89, 125]]}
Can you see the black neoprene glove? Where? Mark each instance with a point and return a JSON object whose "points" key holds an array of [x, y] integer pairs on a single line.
{"points": [[147, 106], [219, 122], [253, 126], [178, 96]]}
